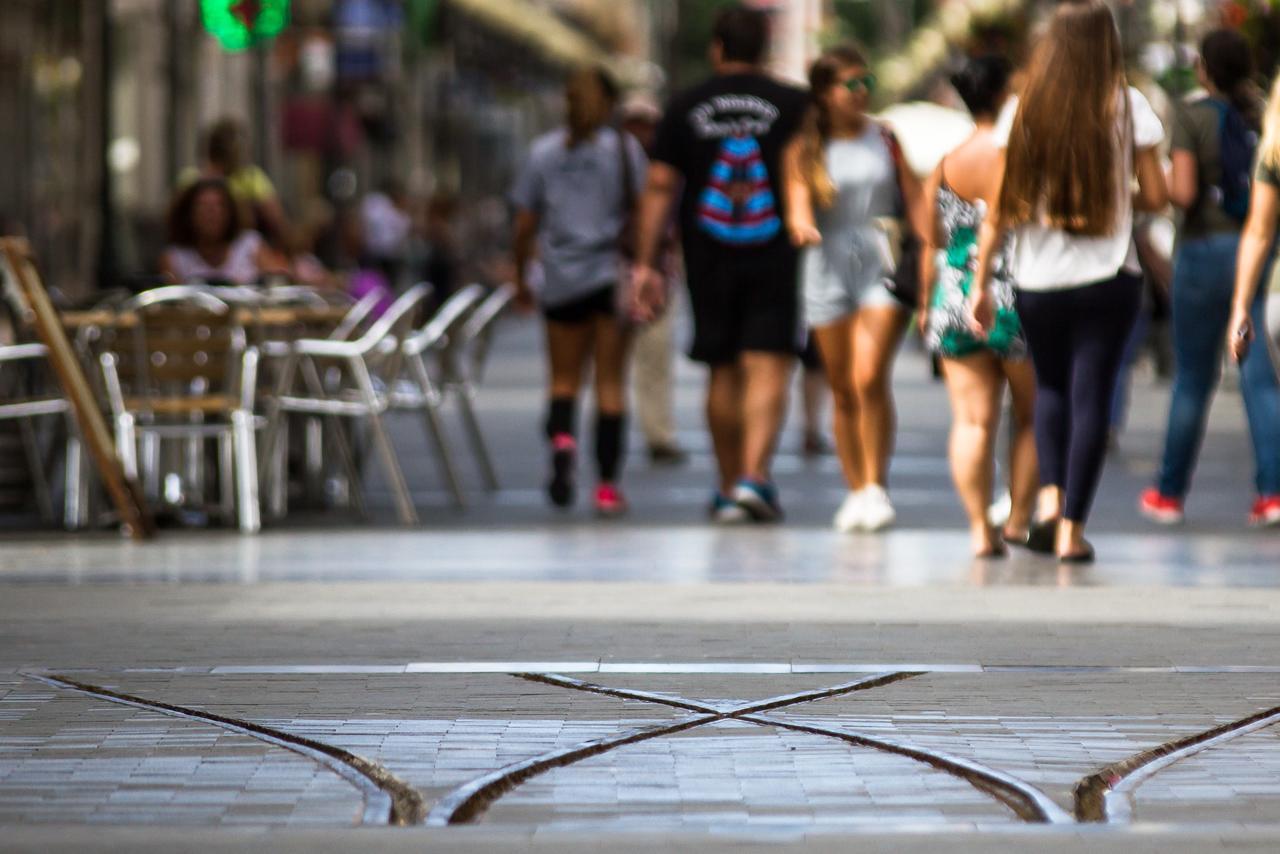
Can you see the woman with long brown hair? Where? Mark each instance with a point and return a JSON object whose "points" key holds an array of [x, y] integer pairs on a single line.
{"points": [[845, 172], [1248, 307], [1077, 140]]}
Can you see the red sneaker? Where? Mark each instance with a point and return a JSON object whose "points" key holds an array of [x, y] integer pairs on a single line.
{"points": [[610, 501], [1266, 511], [1160, 509]]}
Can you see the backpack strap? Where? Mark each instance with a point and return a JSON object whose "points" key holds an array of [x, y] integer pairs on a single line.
{"points": [[627, 238], [899, 163]]}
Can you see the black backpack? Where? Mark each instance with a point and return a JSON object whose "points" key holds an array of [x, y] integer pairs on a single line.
{"points": [[1237, 145]]}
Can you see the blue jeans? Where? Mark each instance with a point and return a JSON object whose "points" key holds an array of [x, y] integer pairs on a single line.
{"points": [[1203, 280]]}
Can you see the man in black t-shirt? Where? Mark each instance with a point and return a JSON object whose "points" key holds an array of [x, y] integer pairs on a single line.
{"points": [[723, 141]]}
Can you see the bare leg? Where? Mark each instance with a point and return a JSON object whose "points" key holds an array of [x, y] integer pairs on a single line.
{"points": [[877, 333], [835, 343], [766, 377], [1049, 503], [1024, 474], [612, 345], [568, 348], [724, 418], [976, 386]]}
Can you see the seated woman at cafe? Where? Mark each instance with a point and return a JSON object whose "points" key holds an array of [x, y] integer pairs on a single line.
{"points": [[207, 242]]}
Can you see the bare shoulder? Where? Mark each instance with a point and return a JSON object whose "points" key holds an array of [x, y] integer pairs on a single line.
{"points": [[971, 166]]}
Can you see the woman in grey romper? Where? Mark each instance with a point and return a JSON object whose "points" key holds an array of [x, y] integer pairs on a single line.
{"points": [[844, 179]]}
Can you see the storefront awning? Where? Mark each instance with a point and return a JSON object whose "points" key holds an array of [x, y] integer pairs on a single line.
{"points": [[551, 37]]}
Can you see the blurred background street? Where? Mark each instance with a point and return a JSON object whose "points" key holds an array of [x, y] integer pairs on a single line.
{"points": [[322, 672]]}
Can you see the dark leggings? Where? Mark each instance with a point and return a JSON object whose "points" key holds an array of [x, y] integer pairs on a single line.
{"points": [[1077, 338]]}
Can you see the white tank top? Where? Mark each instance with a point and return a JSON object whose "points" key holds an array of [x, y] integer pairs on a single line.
{"points": [[240, 267]]}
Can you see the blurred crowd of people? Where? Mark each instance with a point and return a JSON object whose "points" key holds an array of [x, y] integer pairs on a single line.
{"points": [[227, 225], [792, 216]]}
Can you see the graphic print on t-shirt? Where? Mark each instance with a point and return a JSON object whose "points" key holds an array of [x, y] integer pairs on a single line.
{"points": [[737, 205]]}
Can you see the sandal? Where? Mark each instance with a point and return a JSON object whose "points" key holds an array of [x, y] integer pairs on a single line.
{"points": [[1042, 537], [1084, 556]]}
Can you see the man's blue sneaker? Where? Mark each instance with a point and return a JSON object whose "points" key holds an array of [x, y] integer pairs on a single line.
{"points": [[725, 511], [759, 499]]}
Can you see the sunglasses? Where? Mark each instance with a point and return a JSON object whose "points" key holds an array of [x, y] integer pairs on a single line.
{"points": [[865, 83]]}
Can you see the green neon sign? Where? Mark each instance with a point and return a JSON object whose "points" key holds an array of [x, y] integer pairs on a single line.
{"points": [[240, 24]]}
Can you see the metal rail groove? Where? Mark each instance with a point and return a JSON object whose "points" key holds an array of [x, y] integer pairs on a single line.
{"points": [[1107, 796], [470, 801], [1027, 802], [387, 799]]}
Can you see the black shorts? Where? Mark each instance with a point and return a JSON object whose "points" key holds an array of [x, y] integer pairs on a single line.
{"points": [[585, 308], [810, 357], [743, 300]]}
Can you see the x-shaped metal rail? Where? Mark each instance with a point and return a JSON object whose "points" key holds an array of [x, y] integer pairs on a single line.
{"points": [[469, 801]]}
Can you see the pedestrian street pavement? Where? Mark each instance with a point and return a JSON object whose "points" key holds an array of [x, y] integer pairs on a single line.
{"points": [[509, 678]]}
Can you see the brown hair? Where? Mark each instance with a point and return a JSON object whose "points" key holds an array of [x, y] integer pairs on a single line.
{"points": [[592, 95], [1063, 151], [816, 131], [182, 231], [1228, 63]]}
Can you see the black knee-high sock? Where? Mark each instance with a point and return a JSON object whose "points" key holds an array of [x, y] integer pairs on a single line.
{"points": [[562, 416], [611, 439]]}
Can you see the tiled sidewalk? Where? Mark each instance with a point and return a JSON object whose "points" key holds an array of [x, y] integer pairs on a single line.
{"points": [[65, 757]]}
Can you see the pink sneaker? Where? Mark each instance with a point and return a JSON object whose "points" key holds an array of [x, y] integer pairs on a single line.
{"points": [[610, 501], [1161, 509], [1266, 512]]}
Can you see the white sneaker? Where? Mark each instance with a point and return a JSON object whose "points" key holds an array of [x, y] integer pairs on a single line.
{"points": [[877, 510], [849, 517], [999, 511]]}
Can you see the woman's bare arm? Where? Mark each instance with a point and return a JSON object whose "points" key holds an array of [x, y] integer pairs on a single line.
{"points": [[1255, 243]]}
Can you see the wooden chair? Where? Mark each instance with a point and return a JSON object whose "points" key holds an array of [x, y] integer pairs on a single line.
{"points": [[183, 373]]}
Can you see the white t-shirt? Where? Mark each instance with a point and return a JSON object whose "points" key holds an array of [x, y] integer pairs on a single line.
{"points": [[1049, 259]]}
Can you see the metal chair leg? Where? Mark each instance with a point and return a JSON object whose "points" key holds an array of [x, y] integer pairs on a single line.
{"points": [[227, 474], [194, 474], [276, 416], [400, 489], [476, 437], [35, 464], [316, 388], [247, 472], [346, 457], [277, 483], [75, 510], [313, 456], [435, 430], [152, 462], [127, 445]]}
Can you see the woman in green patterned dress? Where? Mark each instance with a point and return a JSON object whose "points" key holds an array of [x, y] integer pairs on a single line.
{"points": [[977, 369]]}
